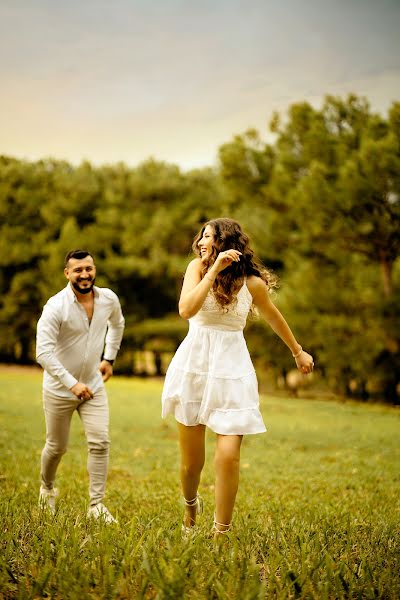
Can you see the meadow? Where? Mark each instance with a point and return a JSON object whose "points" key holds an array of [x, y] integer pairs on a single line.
{"points": [[317, 515]]}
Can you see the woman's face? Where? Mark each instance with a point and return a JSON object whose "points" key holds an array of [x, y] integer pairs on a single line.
{"points": [[206, 243]]}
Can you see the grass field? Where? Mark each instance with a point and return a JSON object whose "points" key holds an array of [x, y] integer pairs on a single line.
{"points": [[317, 512]]}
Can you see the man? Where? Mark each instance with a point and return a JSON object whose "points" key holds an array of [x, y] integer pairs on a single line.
{"points": [[78, 337]]}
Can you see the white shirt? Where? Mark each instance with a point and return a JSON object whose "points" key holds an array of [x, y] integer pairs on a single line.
{"points": [[69, 347]]}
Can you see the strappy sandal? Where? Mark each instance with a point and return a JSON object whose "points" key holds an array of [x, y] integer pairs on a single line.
{"points": [[221, 531], [198, 503]]}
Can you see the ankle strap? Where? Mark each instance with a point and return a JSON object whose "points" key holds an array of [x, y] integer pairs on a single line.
{"points": [[192, 502], [227, 525]]}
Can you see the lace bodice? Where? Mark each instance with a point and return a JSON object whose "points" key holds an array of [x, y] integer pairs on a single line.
{"points": [[230, 318]]}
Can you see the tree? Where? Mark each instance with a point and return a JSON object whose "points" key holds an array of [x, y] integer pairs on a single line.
{"points": [[330, 214]]}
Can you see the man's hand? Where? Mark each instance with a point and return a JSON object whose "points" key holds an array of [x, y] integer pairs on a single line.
{"points": [[106, 369], [82, 391]]}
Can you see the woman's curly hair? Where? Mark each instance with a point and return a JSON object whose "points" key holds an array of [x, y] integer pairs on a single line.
{"points": [[228, 234]]}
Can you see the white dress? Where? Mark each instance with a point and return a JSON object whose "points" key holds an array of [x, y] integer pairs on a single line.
{"points": [[211, 379]]}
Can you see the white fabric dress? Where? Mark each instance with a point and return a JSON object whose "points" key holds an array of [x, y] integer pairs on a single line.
{"points": [[211, 379]]}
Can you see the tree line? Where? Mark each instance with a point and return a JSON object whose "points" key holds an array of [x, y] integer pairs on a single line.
{"points": [[321, 204]]}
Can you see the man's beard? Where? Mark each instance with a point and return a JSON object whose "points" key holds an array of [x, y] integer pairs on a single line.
{"points": [[85, 290]]}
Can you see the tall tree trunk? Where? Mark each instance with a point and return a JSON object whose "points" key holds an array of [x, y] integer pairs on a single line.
{"points": [[392, 370], [386, 272]]}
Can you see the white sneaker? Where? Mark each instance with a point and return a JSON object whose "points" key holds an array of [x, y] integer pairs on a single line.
{"points": [[99, 511], [47, 499]]}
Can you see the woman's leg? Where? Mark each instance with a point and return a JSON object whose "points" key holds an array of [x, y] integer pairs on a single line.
{"points": [[191, 441], [227, 457]]}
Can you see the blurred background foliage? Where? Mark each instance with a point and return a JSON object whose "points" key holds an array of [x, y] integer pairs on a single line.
{"points": [[322, 207]]}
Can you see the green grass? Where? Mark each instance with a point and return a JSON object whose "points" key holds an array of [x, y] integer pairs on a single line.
{"points": [[317, 513]]}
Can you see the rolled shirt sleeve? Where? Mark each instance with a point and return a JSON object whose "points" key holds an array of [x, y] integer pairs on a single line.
{"points": [[48, 329], [115, 330]]}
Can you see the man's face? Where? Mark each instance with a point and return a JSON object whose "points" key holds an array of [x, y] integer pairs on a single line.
{"points": [[81, 272]]}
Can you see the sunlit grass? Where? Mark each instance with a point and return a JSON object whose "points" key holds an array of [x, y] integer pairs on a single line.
{"points": [[317, 511]]}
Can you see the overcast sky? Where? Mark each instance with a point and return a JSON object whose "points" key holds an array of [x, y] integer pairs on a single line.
{"points": [[111, 80]]}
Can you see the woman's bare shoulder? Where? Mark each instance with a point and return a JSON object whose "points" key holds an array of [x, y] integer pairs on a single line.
{"points": [[195, 264], [255, 284], [194, 268]]}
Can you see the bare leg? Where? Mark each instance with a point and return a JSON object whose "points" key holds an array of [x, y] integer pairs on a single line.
{"points": [[191, 441], [227, 457]]}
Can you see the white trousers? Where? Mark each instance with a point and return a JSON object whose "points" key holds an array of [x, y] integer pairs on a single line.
{"points": [[94, 414]]}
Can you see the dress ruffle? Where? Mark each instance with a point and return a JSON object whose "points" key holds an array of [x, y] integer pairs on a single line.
{"points": [[211, 380]]}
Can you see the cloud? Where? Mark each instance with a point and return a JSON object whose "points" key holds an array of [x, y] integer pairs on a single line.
{"points": [[174, 79]]}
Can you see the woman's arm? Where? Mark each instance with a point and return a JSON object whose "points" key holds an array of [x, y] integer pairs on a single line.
{"points": [[276, 321], [195, 289]]}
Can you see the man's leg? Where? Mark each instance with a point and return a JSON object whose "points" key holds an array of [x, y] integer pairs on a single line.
{"points": [[58, 412], [95, 418]]}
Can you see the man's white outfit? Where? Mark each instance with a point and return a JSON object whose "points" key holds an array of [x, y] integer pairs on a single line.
{"points": [[70, 349]]}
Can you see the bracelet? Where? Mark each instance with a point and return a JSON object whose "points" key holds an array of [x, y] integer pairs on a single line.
{"points": [[298, 353], [209, 278], [109, 360]]}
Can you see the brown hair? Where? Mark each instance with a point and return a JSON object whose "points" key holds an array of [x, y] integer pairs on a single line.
{"points": [[229, 234]]}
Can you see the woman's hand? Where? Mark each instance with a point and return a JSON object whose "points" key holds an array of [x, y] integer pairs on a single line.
{"points": [[305, 363], [225, 259]]}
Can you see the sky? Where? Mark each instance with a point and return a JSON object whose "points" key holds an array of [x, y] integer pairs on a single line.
{"points": [[126, 80]]}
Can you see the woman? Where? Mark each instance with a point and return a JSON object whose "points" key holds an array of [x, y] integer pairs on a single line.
{"points": [[211, 380]]}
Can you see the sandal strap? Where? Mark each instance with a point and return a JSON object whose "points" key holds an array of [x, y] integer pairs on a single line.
{"points": [[222, 531], [192, 502], [227, 525]]}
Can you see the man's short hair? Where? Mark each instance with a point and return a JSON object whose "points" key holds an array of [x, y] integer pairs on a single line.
{"points": [[79, 254]]}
